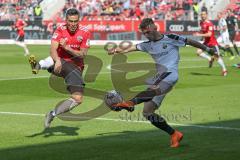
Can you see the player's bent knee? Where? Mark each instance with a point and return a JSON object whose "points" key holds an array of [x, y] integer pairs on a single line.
{"points": [[165, 87], [149, 108], [78, 98], [199, 51], [146, 114]]}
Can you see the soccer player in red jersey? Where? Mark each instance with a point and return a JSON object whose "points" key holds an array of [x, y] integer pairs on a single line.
{"points": [[69, 46], [19, 26], [207, 32]]}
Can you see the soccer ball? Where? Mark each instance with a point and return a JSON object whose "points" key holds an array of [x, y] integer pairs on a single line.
{"points": [[111, 98]]}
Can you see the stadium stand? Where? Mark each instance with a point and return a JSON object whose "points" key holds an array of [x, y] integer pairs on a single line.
{"points": [[93, 10], [109, 16]]}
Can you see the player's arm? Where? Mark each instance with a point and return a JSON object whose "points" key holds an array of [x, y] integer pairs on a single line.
{"points": [[208, 34], [122, 50], [77, 53], [55, 57], [53, 50], [199, 45], [84, 45]]}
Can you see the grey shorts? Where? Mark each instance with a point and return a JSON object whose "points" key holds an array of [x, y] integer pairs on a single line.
{"points": [[72, 77], [165, 86]]}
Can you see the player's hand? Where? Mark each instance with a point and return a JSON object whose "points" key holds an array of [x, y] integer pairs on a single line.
{"points": [[63, 42], [113, 51], [58, 66], [196, 34]]}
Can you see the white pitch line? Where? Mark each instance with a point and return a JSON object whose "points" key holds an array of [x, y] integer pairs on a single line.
{"points": [[189, 67], [130, 121], [22, 78]]}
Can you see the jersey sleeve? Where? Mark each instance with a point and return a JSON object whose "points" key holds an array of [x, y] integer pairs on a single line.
{"points": [[57, 35], [86, 40], [143, 46], [177, 40]]}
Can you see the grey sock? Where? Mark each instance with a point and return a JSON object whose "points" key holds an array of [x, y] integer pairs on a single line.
{"points": [[65, 106]]}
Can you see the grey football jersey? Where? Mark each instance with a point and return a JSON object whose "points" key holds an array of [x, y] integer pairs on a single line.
{"points": [[221, 23], [165, 52]]}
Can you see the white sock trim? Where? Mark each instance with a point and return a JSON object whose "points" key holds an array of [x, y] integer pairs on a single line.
{"points": [[46, 63], [204, 55]]}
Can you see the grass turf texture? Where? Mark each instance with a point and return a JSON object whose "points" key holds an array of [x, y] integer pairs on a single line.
{"points": [[202, 97]]}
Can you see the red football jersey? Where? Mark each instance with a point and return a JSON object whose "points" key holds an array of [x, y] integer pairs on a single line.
{"points": [[207, 26], [20, 23], [80, 39]]}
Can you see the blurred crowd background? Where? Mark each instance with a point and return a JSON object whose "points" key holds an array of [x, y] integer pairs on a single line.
{"points": [[118, 10]]}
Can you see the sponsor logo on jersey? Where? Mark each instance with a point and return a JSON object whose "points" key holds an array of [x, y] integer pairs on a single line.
{"points": [[55, 35], [164, 46], [79, 38], [74, 46]]}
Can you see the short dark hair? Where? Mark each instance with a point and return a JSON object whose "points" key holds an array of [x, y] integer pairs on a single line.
{"points": [[145, 23], [204, 11], [72, 11]]}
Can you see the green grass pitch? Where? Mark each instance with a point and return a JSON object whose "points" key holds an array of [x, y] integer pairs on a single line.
{"points": [[203, 105]]}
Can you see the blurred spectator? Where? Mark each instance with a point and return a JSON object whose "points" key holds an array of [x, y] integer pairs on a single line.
{"points": [[138, 12], [109, 9], [204, 8], [37, 13], [187, 9], [2, 12], [52, 26], [195, 10]]}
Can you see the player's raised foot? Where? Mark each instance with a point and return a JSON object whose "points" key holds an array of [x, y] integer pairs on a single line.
{"points": [[34, 64], [232, 58], [210, 63], [129, 109], [48, 119], [224, 73], [127, 105], [176, 137]]}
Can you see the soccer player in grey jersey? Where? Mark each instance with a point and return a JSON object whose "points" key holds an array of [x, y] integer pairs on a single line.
{"points": [[224, 35], [164, 49]]}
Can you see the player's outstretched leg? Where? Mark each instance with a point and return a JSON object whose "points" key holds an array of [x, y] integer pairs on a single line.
{"points": [[148, 94], [236, 49], [176, 137], [125, 105], [62, 107], [44, 64], [34, 64], [48, 119], [200, 53], [210, 63], [221, 63], [160, 122], [23, 45]]}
